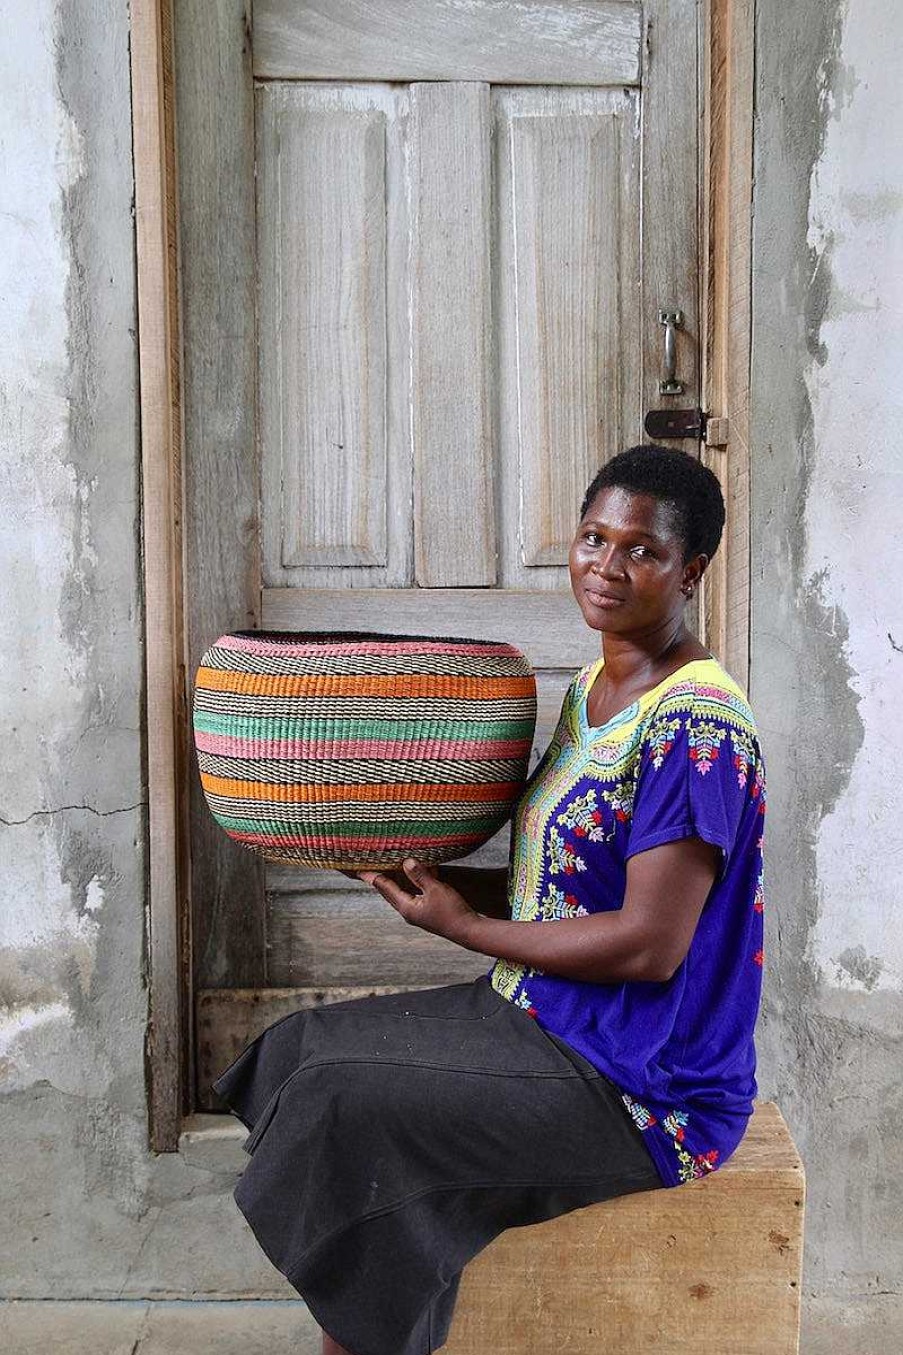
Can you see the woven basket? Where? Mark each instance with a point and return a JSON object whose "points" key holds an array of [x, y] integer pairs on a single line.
{"points": [[352, 750]]}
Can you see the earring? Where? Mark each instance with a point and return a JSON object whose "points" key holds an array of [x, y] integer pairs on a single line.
{"points": [[688, 592]]}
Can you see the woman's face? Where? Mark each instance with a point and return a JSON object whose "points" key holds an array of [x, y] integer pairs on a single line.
{"points": [[626, 564]]}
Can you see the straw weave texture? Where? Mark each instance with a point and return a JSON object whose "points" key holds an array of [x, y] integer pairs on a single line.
{"points": [[352, 750]]}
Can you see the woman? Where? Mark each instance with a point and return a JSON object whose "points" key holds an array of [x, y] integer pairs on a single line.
{"points": [[393, 1137]]}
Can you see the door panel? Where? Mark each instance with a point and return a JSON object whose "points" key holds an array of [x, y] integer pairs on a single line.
{"points": [[547, 626], [566, 368], [333, 366], [451, 416], [581, 42], [215, 147], [423, 251], [568, 376], [671, 121]]}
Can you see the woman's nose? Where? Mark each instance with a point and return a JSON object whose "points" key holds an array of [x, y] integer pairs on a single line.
{"points": [[607, 564]]}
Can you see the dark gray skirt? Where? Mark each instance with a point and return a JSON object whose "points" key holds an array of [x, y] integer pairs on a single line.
{"points": [[393, 1137]]}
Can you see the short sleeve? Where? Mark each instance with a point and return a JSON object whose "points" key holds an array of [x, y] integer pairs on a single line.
{"points": [[697, 772]]}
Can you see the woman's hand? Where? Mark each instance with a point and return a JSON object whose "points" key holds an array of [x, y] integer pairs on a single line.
{"points": [[437, 908]]}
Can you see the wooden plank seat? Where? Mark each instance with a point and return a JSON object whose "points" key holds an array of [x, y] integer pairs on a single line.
{"points": [[712, 1266]]}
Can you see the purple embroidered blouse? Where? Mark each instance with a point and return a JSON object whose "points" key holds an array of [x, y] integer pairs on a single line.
{"points": [[683, 760]]}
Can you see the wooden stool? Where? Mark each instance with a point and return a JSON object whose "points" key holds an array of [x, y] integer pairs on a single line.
{"points": [[712, 1266]]}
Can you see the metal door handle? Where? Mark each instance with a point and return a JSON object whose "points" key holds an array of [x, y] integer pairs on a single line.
{"points": [[672, 321]]}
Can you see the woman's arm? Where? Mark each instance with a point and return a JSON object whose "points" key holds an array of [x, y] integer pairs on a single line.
{"points": [[647, 938]]}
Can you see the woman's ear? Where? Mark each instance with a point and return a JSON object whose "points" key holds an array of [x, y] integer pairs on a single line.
{"points": [[694, 570]]}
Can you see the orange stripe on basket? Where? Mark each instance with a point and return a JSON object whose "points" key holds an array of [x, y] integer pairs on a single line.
{"points": [[402, 685], [261, 790]]}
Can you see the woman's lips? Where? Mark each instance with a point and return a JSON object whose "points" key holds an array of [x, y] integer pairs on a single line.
{"points": [[603, 599]]}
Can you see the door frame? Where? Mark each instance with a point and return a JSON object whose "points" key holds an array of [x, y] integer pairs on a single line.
{"points": [[726, 99]]}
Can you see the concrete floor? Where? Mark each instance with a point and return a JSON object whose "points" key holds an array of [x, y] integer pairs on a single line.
{"points": [[135, 1327]]}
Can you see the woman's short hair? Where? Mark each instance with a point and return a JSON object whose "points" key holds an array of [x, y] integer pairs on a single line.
{"points": [[689, 488]]}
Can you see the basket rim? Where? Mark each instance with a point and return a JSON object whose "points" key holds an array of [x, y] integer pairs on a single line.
{"points": [[351, 636]]}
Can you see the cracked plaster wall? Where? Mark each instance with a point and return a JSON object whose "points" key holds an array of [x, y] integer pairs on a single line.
{"points": [[70, 822], [88, 1211], [827, 617]]}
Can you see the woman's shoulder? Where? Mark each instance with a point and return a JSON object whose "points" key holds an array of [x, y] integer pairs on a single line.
{"points": [[704, 689], [700, 689]]}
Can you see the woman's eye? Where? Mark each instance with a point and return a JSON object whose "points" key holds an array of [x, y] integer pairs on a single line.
{"points": [[594, 537]]}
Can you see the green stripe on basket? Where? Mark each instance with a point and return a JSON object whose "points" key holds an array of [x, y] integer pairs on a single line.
{"points": [[385, 827], [279, 728]]}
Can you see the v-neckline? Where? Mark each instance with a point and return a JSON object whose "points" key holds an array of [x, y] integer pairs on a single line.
{"points": [[627, 713]]}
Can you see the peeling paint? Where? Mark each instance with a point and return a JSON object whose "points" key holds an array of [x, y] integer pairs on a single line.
{"points": [[864, 970], [25, 1040], [856, 490], [73, 996], [824, 665], [38, 491]]}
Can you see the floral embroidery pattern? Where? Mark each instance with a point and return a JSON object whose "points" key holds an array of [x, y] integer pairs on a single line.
{"points": [[584, 817], [563, 860], [757, 789], [759, 898], [705, 739], [642, 1118], [506, 977], [692, 1165], [557, 904], [621, 799], [744, 754], [661, 739]]}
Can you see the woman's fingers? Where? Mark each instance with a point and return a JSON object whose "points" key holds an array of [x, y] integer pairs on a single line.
{"points": [[437, 907], [397, 876]]}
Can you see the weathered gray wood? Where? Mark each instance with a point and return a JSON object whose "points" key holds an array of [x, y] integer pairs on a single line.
{"points": [[548, 627], [670, 258], [454, 521], [564, 42], [159, 356], [216, 175], [334, 381], [228, 1019], [321, 220], [313, 942], [569, 378], [566, 247], [728, 83]]}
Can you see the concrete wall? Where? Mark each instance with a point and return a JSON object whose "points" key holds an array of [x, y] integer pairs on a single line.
{"points": [[827, 629], [88, 1210]]}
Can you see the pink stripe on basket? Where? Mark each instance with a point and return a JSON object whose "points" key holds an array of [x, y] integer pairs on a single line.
{"points": [[251, 646], [228, 745], [337, 842]]}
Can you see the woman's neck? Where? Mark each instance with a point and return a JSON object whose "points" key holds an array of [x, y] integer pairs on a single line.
{"points": [[628, 662]]}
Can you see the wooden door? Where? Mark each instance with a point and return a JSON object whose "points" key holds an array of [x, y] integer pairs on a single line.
{"points": [[423, 252]]}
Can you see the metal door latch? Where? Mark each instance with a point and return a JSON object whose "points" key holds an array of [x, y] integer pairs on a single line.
{"points": [[672, 321], [676, 423]]}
